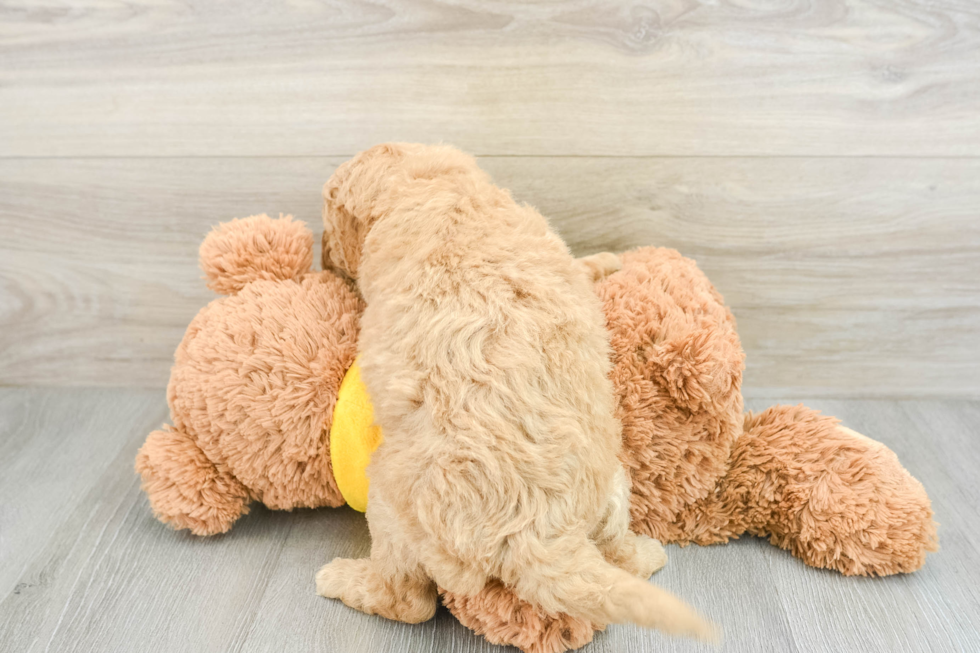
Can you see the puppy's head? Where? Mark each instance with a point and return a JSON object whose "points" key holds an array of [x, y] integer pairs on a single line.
{"points": [[365, 189]]}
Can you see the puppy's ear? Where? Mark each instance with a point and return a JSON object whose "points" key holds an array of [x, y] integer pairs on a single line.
{"points": [[343, 239], [352, 201]]}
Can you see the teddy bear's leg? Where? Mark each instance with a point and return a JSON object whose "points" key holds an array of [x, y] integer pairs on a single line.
{"points": [[391, 583], [834, 497], [638, 554], [185, 489]]}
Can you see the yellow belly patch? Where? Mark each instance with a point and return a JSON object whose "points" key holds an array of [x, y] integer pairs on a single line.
{"points": [[353, 438]]}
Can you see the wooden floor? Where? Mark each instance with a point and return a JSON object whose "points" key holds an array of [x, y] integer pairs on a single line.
{"points": [[85, 567]]}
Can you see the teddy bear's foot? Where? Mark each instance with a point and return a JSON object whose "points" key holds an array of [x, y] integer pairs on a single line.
{"points": [[185, 489], [361, 585], [835, 498]]}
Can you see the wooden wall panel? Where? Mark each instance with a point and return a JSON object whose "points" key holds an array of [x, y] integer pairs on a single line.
{"points": [[849, 276], [681, 77]]}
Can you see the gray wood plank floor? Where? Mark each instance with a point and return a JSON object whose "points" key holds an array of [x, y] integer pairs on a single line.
{"points": [[85, 567]]}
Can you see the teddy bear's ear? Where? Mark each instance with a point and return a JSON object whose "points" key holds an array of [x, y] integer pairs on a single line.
{"points": [[258, 247]]}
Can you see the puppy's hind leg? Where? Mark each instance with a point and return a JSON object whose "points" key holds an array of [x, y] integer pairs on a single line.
{"points": [[390, 583], [601, 265], [638, 554], [365, 585]]}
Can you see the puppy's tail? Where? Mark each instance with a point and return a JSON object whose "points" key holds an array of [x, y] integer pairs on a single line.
{"points": [[584, 585]]}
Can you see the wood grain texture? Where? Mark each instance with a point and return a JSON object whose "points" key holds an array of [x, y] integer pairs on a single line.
{"points": [[937, 443], [100, 574], [683, 77], [44, 479], [849, 277]]}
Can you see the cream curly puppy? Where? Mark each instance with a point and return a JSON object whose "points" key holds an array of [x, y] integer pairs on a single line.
{"points": [[484, 350]]}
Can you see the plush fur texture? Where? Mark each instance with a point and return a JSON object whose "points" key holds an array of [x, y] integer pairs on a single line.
{"points": [[484, 351], [501, 617], [241, 251], [239, 392], [254, 383], [703, 472]]}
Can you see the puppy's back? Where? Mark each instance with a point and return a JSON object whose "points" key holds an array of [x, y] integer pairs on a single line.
{"points": [[486, 353], [484, 350]]}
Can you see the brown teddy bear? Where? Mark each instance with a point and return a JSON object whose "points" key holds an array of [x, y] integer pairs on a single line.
{"points": [[256, 379]]}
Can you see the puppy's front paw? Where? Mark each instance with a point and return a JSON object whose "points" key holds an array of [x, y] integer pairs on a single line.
{"points": [[650, 556], [333, 578]]}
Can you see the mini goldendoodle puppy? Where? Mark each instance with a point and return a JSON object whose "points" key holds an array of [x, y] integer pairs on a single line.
{"points": [[484, 350]]}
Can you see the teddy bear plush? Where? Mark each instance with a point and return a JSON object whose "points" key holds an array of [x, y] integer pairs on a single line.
{"points": [[266, 406]]}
